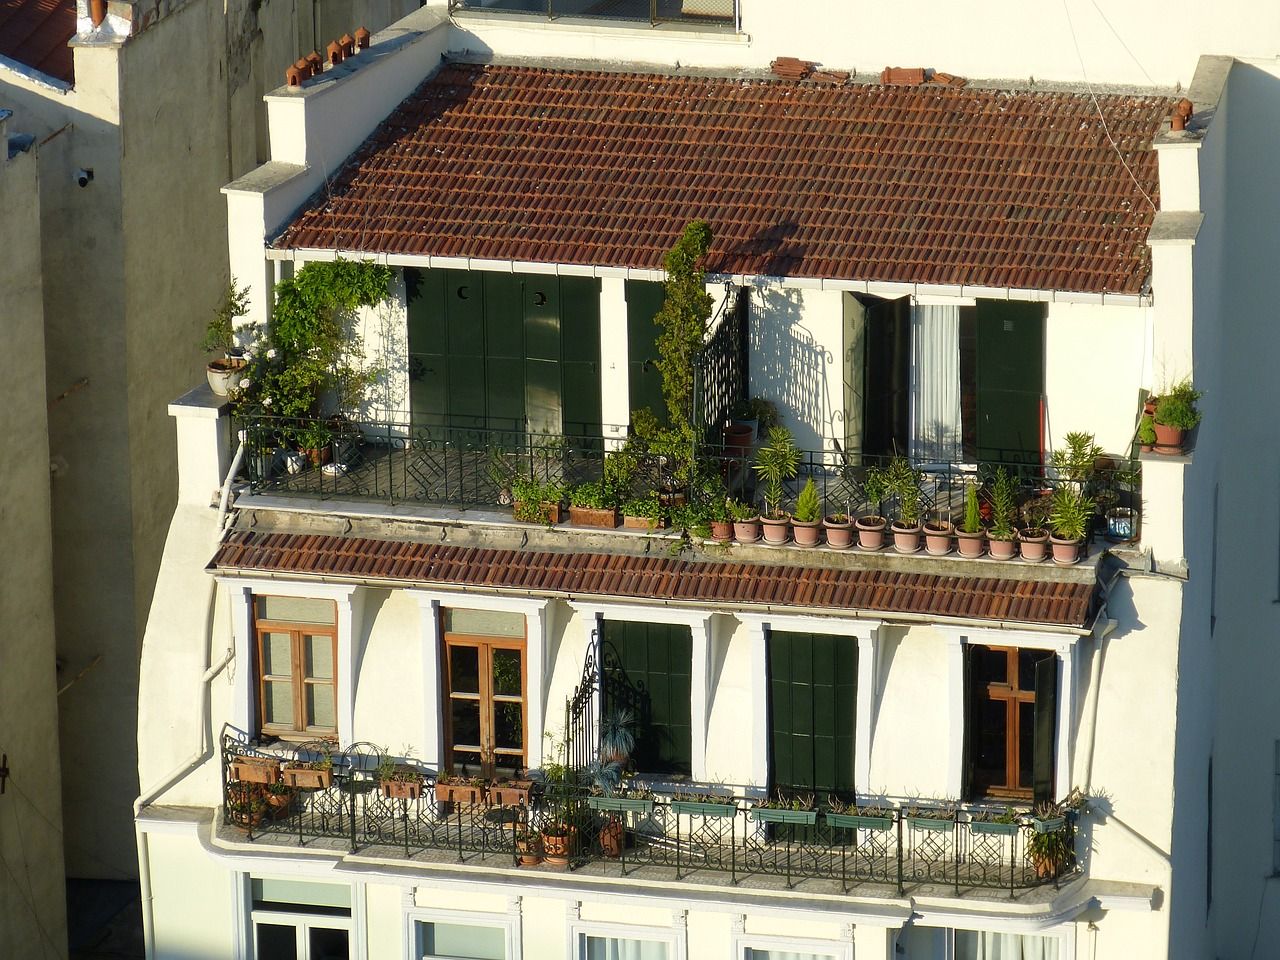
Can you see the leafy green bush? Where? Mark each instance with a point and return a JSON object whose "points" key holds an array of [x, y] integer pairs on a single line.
{"points": [[1177, 411], [594, 495], [1146, 430], [1071, 512], [776, 462], [904, 482]]}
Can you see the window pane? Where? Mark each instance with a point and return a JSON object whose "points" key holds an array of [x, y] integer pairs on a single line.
{"points": [[277, 655], [1026, 743], [277, 941], [318, 653], [296, 893], [992, 666], [320, 706], [483, 623], [278, 709], [328, 944], [508, 725], [753, 953], [506, 673], [295, 609], [980, 945], [463, 941], [466, 722], [616, 948], [1027, 660], [989, 765], [464, 669]]}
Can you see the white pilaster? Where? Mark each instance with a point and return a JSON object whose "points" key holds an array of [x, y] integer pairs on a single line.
{"points": [[242, 692], [956, 727], [1066, 719], [868, 699], [432, 699], [759, 708], [615, 380], [875, 943], [699, 695]]}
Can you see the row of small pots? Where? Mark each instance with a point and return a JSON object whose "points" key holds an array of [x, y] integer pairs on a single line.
{"points": [[938, 538]]}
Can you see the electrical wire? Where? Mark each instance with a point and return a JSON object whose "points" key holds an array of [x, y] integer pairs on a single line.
{"points": [[1120, 39], [28, 896], [1098, 107]]}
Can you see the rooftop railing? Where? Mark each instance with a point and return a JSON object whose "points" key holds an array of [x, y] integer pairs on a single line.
{"points": [[716, 838], [705, 12]]}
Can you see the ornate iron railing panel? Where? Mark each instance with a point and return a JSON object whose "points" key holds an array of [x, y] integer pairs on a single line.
{"points": [[721, 372]]}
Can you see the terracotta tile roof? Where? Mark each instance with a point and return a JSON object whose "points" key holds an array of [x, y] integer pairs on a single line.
{"points": [[36, 32], [661, 578], [930, 184]]}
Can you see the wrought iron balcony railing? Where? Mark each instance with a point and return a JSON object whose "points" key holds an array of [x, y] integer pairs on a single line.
{"points": [[724, 841], [404, 460], [702, 12]]}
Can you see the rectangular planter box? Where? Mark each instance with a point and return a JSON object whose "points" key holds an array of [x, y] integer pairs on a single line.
{"points": [[929, 823], [1052, 825], [400, 789], [855, 821], [459, 793], [551, 512], [305, 778], [700, 809], [511, 793], [255, 770], [767, 815], [643, 523], [621, 804], [1003, 829], [591, 517]]}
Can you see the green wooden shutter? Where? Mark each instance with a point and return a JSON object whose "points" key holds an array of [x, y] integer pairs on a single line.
{"points": [[813, 710], [580, 332], [658, 656], [1046, 722], [644, 300]]}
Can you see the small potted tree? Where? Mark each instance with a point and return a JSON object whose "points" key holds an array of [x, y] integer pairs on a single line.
{"points": [[528, 847], [775, 463], [746, 521], [806, 523], [220, 336], [1070, 517], [904, 481], [875, 486], [970, 536], [1033, 538], [1000, 537], [1176, 413]]}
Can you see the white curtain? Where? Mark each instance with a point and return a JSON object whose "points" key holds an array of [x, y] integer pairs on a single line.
{"points": [[754, 954], [980, 945], [616, 948], [935, 382]]}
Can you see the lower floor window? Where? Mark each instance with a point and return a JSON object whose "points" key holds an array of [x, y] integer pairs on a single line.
{"points": [[300, 920], [981, 945], [1012, 720], [460, 941], [622, 948], [755, 953]]}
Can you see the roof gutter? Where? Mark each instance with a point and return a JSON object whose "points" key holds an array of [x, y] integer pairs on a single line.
{"points": [[879, 288], [705, 605]]}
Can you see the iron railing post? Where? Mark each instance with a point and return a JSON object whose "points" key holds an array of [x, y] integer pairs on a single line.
{"points": [[352, 785], [898, 814]]}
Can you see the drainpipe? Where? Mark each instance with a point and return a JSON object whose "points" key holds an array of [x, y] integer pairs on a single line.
{"points": [[206, 735]]}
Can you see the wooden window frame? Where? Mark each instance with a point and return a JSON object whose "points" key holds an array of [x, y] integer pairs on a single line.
{"points": [[1013, 696], [296, 630], [486, 697]]}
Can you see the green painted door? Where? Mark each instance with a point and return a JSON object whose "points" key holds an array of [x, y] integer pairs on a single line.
{"points": [[580, 355], [1010, 380], [644, 300], [813, 682], [658, 660]]}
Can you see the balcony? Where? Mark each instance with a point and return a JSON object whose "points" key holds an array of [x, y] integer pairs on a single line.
{"points": [[403, 461], [714, 13], [731, 841]]}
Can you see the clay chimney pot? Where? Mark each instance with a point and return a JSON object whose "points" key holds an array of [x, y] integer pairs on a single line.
{"points": [[293, 76], [334, 50], [363, 38], [348, 45], [97, 11], [1182, 111], [315, 62]]}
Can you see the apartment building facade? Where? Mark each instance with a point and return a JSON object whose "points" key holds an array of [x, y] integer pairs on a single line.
{"points": [[377, 705]]}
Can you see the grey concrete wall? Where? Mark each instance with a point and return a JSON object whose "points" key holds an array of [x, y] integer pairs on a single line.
{"points": [[32, 902]]}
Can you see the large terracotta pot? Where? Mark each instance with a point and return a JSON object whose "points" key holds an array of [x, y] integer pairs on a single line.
{"points": [[870, 532], [737, 439], [970, 544], [746, 531], [806, 534], [906, 539], [1002, 549], [612, 837], [777, 530], [839, 533], [557, 849], [1168, 439], [1033, 544], [1065, 552], [721, 531], [937, 537]]}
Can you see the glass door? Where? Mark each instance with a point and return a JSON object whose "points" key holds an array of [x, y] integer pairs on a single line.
{"points": [[486, 732]]}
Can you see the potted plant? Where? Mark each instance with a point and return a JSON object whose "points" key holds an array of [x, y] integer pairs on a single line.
{"points": [[528, 847], [934, 818], [746, 521], [779, 809], [643, 513], [703, 805], [315, 442], [220, 335], [559, 842], [1147, 433], [998, 822], [247, 807], [592, 505], [904, 482], [721, 519], [617, 735], [1176, 413], [1049, 846], [1033, 538], [839, 530], [248, 769], [851, 816], [398, 781], [805, 524], [775, 463], [279, 797], [970, 536], [309, 774], [507, 793], [460, 789], [937, 536], [1000, 535], [875, 486], [536, 502], [1070, 517]]}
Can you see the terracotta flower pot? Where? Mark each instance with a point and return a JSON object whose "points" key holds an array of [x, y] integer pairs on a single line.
{"points": [[870, 532], [464, 793], [807, 534], [642, 523], [1033, 544], [906, 539], [722, 530], [970, 544], [937, 537], [558, 848], [777, 530], [255, 770], [400, 789], [1002, 549], [592, 517], [510, 793], [746, 531], [278, 804], [1168, 439], [1065, 552], [737, 439], [304, 778], [839, 533], [612, 837], [529, 850]]}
